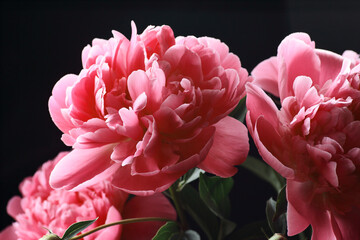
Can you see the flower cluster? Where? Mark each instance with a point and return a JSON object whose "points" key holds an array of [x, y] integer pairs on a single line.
{"points": [[143, 112], [148, 109], [42, 207], [313, 140]]}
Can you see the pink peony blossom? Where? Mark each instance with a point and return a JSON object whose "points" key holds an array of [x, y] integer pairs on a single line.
{"points": [[313, 140], [148, 109], [41, 206]]}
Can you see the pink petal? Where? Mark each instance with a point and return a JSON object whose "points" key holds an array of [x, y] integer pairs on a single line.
{"points": [[185, 62], [347, 224], [156, 205], [138, 83], [143, 185], [259, 104], [81, 165], [13, 207], [269, 144], [322, 227], [215, 44], [296, 222], [167, 120], [82, 95], [331, 64], [230, 148], [300, 196], [131, 125], [113, 232], [8, 233], [296, 58], [140, 102], [266, 75], [105, 175], [123, 150], [135, 55], [57, 103], [99, 137]]}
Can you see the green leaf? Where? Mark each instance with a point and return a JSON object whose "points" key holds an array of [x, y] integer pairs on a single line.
{"points": [[276, 212], [167, 232], [214, 191], [171, 231], [187, 235], [76, 228], [265, 172], [281, 204], [270, 213], [240, 111], [277, 225], [202, 215], [189, 176]]}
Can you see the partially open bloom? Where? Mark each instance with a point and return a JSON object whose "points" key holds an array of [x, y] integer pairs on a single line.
{"points": [[313, 140], [42, 207], [148, 109]]}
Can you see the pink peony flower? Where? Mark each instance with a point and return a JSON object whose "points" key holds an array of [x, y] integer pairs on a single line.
{"points": [[41, 206], [148, 109], [313, 140]]}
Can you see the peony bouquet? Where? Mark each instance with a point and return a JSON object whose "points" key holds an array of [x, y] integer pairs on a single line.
{"points": [[156, 127]]}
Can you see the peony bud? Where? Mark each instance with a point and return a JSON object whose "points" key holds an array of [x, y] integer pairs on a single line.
{"points": [[50, 236]]}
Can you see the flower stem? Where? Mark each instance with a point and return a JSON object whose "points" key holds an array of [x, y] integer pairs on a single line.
{"points": [[124, 221], [179, 210]]}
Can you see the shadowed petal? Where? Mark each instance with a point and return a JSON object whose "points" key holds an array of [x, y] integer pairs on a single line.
{"points": [[113, 232], [156, 205]]}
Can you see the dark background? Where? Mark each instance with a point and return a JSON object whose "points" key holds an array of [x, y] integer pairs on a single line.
{"points": [[42, 41]]}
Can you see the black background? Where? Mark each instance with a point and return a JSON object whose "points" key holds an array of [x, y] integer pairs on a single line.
{"points": [[42, 41]]}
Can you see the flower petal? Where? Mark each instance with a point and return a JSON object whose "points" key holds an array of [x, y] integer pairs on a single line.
{"points": [[57, 103], [124, 180], [81, 165], [297, 57], [8, 233], [13, 207], [331, 64], [114, 232], [266, 75], [156, 205], [230, 148], [259, 104]]}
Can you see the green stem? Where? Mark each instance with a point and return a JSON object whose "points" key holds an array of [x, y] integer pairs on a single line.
{"points": [[220, 234], [178, 207], [125, 221]]}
